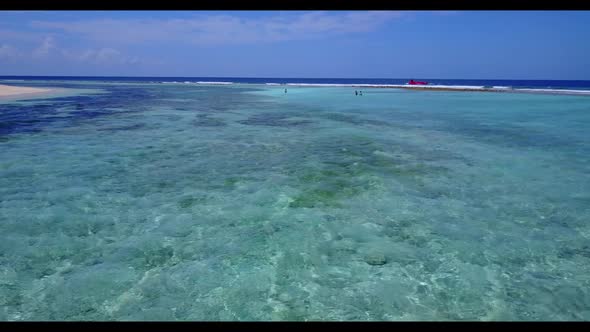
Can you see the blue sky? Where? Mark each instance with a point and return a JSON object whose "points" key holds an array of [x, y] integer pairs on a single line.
{"points": [[335, 44]]}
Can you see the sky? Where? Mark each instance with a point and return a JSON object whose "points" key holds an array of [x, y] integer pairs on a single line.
{"points": [[297, 44]]}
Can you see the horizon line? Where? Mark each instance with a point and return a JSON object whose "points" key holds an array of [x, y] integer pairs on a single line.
{"points": [[339, 78]]}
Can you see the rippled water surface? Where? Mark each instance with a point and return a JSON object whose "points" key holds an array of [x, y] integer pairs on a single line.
{"points": [[184, 202]]}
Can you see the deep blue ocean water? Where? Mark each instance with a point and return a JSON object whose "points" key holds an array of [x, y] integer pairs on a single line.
{"points": [[128, 200], [554, 84]]}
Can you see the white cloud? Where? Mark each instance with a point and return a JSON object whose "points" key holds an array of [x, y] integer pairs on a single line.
{"points": [[47, 45], [18, 36], [102, 56], [225, 29], [7, 51], [49, 50]]}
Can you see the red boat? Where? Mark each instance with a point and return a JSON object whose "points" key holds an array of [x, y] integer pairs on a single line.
{"points": [[412, 82]]}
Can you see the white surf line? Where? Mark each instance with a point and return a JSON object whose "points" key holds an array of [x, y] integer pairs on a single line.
{"points": [[406, 86], [213, 82], [554, 91], [448, 88]]}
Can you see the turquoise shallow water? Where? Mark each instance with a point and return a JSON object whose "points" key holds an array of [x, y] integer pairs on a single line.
{"points": [[183, 202]]}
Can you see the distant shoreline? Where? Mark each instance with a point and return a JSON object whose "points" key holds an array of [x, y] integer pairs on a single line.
{"points": [[451, 88], [493, 89], [12, 92], [432, 87], [9, 91]]}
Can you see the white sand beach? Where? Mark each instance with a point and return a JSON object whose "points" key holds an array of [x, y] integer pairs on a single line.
{"points": [[11, 91]]}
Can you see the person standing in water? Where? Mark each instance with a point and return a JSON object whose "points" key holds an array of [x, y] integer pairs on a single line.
{"points": [[361, 93], [285, 90], [356, 93]]}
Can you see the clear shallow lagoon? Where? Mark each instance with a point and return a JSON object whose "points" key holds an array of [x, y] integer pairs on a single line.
{"points": [[186, 202]]}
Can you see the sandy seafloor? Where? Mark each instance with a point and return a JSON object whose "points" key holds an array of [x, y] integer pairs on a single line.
{"points": [[9, 91], [184, 202]]}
